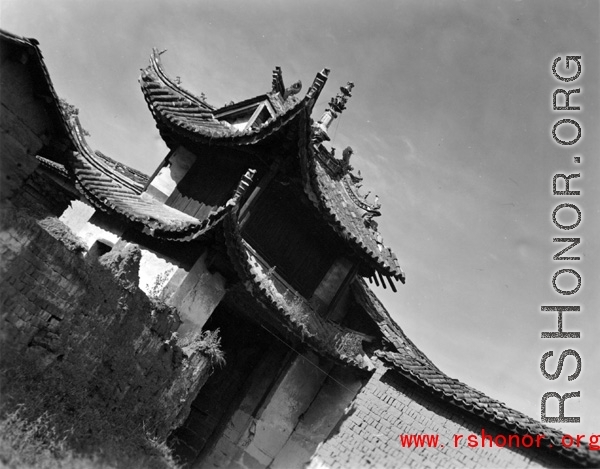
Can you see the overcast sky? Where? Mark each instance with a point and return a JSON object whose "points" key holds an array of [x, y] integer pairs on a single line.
{"points": [[450, 123]]}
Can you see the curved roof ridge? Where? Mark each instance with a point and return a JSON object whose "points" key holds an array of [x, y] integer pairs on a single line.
{"points": [[295, 314], [55, 167], [127, 171], [412, 363], [157, 65], [90, 156], [177, 111], [390, 329], [426, 375], [111, 191], [331, 198], [98, 186]]}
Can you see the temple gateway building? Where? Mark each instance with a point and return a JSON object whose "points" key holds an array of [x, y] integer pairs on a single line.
{"points": [[251, 226]]}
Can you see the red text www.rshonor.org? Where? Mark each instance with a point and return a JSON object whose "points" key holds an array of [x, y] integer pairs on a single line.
{"points": [[485, 440]]}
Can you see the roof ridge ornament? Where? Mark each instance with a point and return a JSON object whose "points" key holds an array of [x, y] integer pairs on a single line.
{"points": [[315, 89], [293, 89], [279, 87], [337, 105]]}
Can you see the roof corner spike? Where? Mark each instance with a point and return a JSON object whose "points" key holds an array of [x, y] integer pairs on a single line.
{"points": [[278, 86], [317, 86], [337, 105]]}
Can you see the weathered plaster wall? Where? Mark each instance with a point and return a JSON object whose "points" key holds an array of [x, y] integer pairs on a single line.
{"points": [[24, 126], [389, 406], [19, 143], [284, 415], [88, 323], [164, 182], [19, 95], [24, 130], [289, 400], [330, 284], [14, 169], [197, 296], [315, 424]]}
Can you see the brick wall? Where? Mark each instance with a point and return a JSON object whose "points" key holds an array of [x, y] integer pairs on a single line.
{"points": [[84, 325], [390, 405]]}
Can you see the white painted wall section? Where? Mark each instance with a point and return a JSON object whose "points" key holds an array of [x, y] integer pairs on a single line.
{"points": [[197, 297], [165, 182]]}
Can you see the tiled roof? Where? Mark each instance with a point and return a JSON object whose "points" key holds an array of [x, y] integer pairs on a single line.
{"points": [[54, 167], [336, 196], [390, 330], [132, 174], [181, 115], [178, 111], [109, 187], [292, 311], [426, 375], [411, 363]]}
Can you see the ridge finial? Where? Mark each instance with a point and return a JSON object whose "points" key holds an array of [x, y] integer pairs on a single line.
{"points": [[337, 105]]}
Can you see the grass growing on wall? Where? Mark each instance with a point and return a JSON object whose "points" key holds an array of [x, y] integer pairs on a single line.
{"points": [[49, 420], [37, 444], [206, 342]]}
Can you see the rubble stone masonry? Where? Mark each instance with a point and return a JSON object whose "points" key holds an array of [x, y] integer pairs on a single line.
{"points": [[86, 321]]}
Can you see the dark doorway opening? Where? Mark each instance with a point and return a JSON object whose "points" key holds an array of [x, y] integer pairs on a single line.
{"points": [[246, 344]]}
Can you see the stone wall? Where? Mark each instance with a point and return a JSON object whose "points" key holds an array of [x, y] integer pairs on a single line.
{"points": [[388, 406], [85, 324]]}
